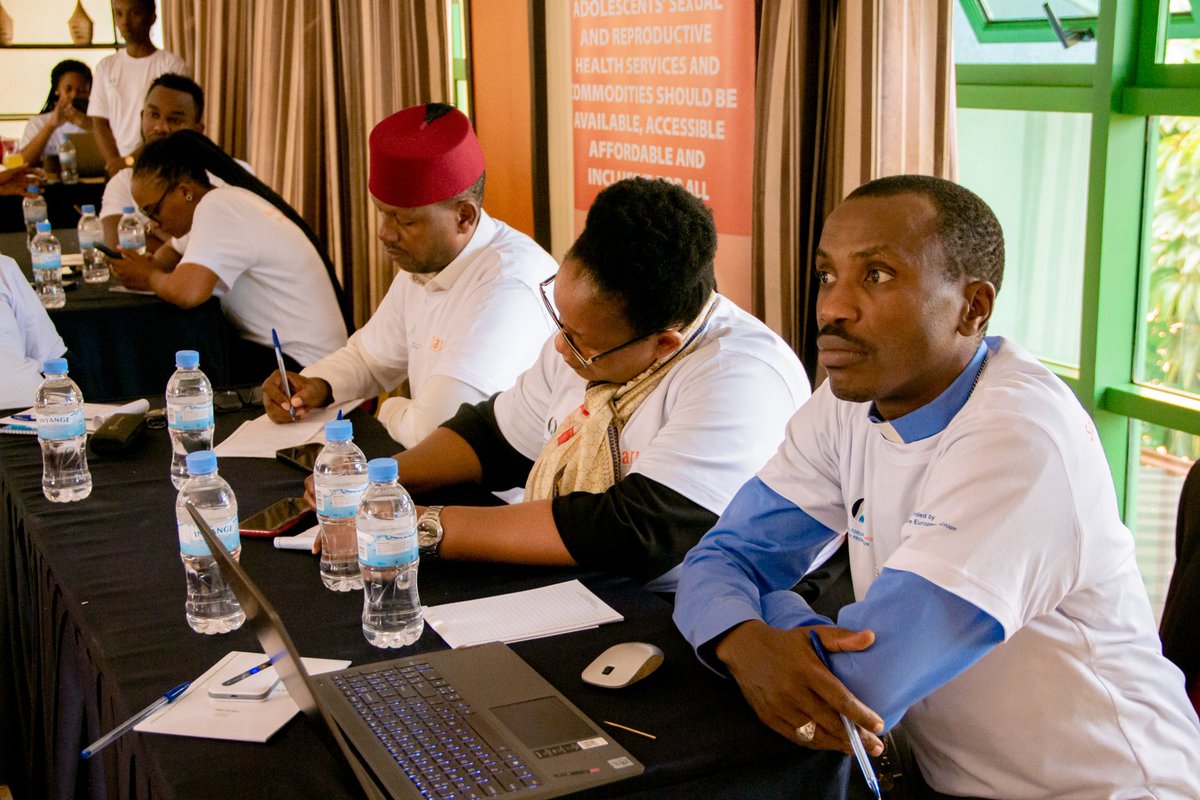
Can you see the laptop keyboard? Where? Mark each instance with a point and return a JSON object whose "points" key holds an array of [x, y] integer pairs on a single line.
{"points": [[446, 749]]}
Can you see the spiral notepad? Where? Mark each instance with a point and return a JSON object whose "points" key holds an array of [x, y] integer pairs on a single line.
{"points": [[532, 614]]}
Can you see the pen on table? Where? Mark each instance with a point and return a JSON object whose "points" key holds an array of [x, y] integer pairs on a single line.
{"points": [[287, 387], [252, 671], [25, 417], [860, 751], [104, 741], [631, 730]]}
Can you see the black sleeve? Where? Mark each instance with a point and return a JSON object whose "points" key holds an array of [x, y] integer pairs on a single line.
{"points": [[638, 527], [1180, 643], [503, 466]]}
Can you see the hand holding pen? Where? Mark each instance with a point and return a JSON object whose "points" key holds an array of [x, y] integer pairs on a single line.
{"points": [[283, 375]]}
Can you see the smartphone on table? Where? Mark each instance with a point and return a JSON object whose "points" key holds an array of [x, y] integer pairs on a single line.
{"points": [[302, 457], [279, 517]]}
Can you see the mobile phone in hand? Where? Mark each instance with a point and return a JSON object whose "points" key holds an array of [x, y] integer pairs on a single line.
{"points": [[108, 251]]}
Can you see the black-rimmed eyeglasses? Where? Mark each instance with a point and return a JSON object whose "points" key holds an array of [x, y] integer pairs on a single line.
{"points": [[583, 360], [151, 211]]}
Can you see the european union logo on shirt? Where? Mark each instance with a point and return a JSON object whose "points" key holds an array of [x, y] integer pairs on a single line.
{"points": [[858, 522]]}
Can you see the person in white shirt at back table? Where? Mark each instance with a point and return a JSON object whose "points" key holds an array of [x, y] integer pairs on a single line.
{"points": [[247, 246], [463, 317], [65, 112], [173, 102], [121, 81]]}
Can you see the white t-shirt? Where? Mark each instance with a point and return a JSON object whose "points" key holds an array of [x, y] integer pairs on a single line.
{"points": [[119, 87], [118, 195], [479, 321], [1009, 505], [35, 125], [27, 337], [268, 274], [715, 418]]}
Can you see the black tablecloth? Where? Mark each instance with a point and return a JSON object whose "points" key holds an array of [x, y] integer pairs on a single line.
{"points": [[61, 200], [123, 345], [92, 629]]}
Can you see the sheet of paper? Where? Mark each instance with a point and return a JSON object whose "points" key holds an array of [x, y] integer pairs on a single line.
{"points": [[260, 438], [197, 714], [515, 617], [94, 414], [301, 541], [123, 290]]}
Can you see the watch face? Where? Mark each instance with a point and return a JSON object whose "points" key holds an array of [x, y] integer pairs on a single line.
{"points": [[427, 534]]}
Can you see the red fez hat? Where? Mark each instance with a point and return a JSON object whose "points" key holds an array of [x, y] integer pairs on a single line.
{"points": [[423, 155]]}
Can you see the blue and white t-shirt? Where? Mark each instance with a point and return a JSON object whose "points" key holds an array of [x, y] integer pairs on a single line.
{"points": [[989, 558]]}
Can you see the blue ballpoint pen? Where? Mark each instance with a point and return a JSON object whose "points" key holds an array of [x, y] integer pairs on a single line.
{"points": [[860, 752], [287, 387], [104, 741]]}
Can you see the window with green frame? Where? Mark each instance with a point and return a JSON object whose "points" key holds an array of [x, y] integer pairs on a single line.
{"points": [[459, 13], [1099, 191]]}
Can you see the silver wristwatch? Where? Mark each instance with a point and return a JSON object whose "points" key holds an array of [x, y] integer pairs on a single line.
{"points": [[429, 531]]}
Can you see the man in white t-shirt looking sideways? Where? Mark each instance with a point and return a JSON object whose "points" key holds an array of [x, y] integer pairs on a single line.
{"points": [[121, 81], [463, 315], [998, 606]]}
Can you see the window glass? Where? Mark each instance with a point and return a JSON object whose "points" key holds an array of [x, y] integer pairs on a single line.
{"points": [[1170, 298], [1161, 459], [1000, 10], [1183, 51], [1031, 167], [968, 49]]}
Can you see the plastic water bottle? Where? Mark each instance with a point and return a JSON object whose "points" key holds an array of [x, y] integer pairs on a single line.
{"points": [[58, 409], [189, 413], [131, 231], [388, 558], [211, 605], [34, 209], [67, 169], [339, 481], [47, 267], [95, 263]]}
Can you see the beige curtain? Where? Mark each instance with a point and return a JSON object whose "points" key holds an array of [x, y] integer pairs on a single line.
{"points": [[847, 92], [312, 78], [219, 63]]}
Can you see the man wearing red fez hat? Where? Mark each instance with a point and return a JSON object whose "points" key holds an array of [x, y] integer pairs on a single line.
{"points": [[657, 398], [464, 315]]}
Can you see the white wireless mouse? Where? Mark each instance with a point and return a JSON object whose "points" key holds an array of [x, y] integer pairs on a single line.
{"points": [[623, 664]]}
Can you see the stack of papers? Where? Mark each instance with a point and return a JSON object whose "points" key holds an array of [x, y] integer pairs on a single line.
{"points": [[547, 611], [260, 438]]}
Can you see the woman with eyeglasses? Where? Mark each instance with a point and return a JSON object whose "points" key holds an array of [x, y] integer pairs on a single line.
{"points": [[245, 245], [65, 111]]}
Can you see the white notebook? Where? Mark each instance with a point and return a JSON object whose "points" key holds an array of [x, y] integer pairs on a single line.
{"points": [[515, 617]]}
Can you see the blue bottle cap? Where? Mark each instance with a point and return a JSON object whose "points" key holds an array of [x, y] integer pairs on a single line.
{"points": [[32, 188], [187, 359], [339, 430], [55, 366], [382, 470], [43, 226], [201, 462], [127, 210], [88, 209]]}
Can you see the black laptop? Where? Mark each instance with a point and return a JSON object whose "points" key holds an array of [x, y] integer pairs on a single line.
{"points": [[476, 722]]}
